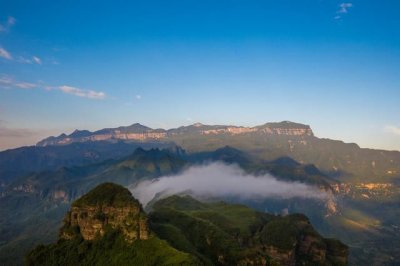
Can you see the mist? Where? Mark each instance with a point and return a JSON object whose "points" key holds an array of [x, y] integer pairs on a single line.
{"points": [[221, 180]]}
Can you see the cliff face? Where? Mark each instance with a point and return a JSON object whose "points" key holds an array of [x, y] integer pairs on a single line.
{"points": [[137, 132], [107, 226], [93, 221], [108, 206]]}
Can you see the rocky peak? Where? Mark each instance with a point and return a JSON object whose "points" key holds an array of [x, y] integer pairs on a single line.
{"points": [[106, 206]]}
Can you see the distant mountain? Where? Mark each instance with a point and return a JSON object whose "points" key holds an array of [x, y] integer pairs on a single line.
{"points": [[22, 161], [108, 226], [138, 132], [345, 161]]}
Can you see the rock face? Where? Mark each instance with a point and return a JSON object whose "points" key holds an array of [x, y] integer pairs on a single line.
{"points": [[106, 206], [137, 132]]}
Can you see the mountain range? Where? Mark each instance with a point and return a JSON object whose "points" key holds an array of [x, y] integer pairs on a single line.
{"points": [[39, 183], [108, 226]]}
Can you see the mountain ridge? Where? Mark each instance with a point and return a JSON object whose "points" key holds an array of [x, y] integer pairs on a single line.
{"points": [[140, 132]]}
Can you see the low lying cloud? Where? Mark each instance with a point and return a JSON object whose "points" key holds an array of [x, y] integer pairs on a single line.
{"points": [[220, 180], [8, 82], [393, 130]]}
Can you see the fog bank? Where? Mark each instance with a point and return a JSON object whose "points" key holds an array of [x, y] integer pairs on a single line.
{"points": [[219, 180]]}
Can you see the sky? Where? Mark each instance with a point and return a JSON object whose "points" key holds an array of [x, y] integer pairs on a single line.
{"points": [[68, 65]]}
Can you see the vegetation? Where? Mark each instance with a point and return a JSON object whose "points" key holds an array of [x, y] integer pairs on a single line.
{"points": [[111, 249], [228, 234], [107, 194], [32, 206]]}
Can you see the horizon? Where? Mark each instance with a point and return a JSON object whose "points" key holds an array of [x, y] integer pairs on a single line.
{"points": [[333, 65], [192, 124]]}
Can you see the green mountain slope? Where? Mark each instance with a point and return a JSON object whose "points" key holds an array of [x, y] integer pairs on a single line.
{"points": [[107, 226]]}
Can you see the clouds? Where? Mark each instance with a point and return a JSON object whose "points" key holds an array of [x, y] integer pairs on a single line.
{"points": [[5, 54], [33, 60], [343, 9], [37, 60], [82, 93], [393, 130], [220, 180], [8, 82], [5, 27]]}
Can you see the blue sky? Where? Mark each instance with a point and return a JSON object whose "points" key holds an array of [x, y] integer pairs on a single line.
{"points": [[331, 64]]}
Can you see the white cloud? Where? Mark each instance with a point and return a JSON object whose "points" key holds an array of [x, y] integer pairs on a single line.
{"points": [[393, 130], [8, 82], [82, 93], [138, 97], [21, 59], [5, 54], [37, 60], [8, 24], [220, 180], [344, 8]]}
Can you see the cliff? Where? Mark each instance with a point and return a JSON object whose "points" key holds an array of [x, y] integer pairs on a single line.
{"points": [[138, 132], [107, 226], [106, 206]]}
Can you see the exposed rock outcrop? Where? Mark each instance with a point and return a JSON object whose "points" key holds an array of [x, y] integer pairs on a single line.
{"points": [[106, 206]]}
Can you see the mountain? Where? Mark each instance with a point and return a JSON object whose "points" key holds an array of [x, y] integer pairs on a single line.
{"points": [[22, 161], [138, 132], [107, 225], [270, 141], [32, 205], [363, 184]]}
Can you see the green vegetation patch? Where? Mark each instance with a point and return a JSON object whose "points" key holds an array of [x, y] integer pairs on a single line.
{"points": [[107, 194], [111, 249]]}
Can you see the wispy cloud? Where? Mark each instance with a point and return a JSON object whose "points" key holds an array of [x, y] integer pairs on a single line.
{"points": [[138, 97], [37, 60], [343, 9], [33, 60], [8, 82], [5, 54], [4, 27], [393, 130], [91, 94]]}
